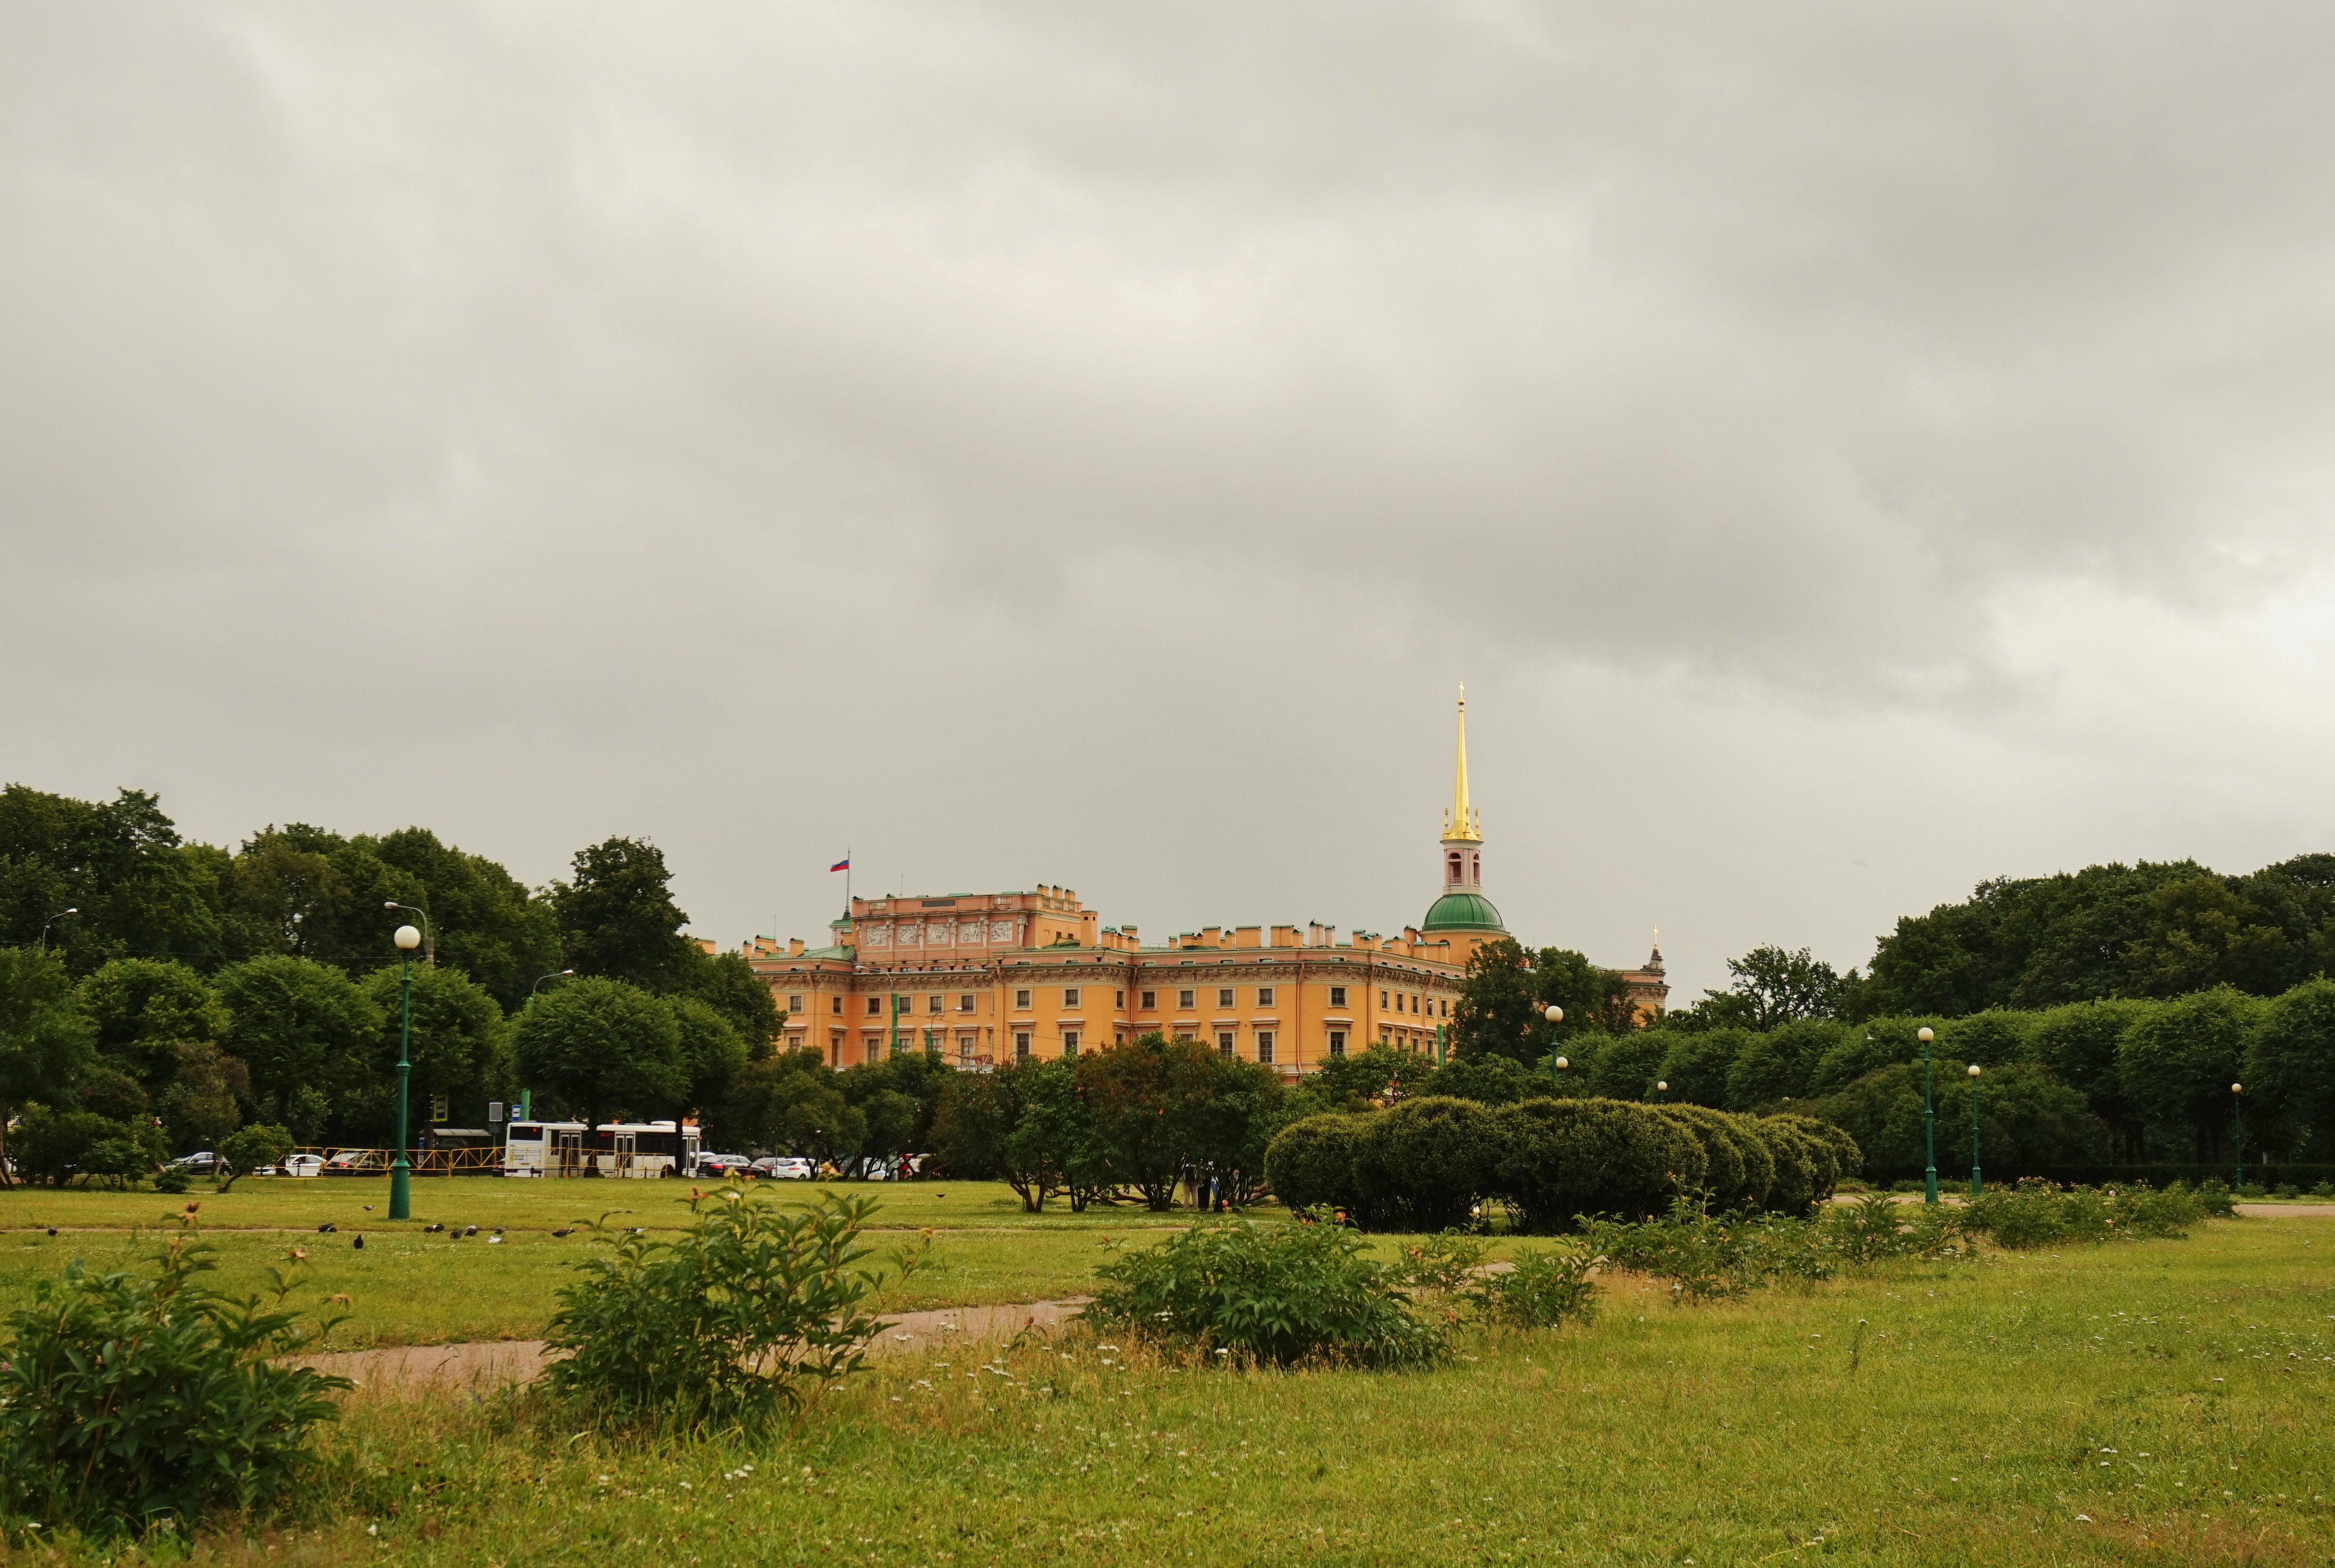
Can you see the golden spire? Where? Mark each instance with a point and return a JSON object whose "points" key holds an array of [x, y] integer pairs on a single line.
{"points": [[1460, 823]]}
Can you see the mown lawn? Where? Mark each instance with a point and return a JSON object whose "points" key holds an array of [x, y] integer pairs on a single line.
{"points": [[2157, 1402], [357, 1204], [408, 1286]]}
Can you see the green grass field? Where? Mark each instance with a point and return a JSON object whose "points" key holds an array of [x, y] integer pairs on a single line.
{"points": [[410, 1287], [2154, 1402]]}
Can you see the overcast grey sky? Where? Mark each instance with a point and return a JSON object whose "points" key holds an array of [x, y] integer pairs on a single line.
{"points": [[1848, 451]]}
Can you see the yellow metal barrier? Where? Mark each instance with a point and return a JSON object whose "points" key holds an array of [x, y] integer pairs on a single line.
{"points": [[466, 1159]]}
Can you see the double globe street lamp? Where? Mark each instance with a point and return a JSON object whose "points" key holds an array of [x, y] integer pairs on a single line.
{"points": [[1557, 1064]]}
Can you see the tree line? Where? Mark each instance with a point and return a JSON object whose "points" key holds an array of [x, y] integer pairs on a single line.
{"points": [[155, 994], [2123, 1080]]}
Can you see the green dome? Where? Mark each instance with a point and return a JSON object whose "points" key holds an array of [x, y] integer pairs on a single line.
{"points": [[1462, 912]]}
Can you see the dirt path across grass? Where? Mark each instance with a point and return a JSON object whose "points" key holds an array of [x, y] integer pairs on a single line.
{"points": [[419, 1371]]}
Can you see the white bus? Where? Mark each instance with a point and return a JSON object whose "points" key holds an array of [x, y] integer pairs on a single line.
{"points": [[614, 1148]]}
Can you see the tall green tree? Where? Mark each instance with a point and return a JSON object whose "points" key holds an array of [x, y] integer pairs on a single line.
{"points": [[1505, 997], [119, 862], [144, 1009], [728, 985], [206, 1098], [789, 1101], [712, 1048], [2290, 1057], [458, 1040], [988, 1127], [1769, 986], [2177, 1062], [310, 1037], [617, 918], [486, 922], [44, 1041], [603, 1047]]}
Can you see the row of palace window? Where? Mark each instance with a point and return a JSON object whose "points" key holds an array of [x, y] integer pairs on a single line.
{"points": [[1186, 1001], [1227, 1042]]}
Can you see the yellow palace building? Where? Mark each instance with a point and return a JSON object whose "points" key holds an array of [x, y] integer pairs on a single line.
{"points": [[982, 978]]}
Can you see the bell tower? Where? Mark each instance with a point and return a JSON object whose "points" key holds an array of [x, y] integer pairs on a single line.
{"points": [[1463, 841], [1462, 914]]}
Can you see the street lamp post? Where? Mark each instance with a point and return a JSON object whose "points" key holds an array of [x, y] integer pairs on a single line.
{"points": [[429, 940], [52, 920], [1974, 1176], [1557, 1064], [400, 1204], [2238, 1130], [1929, 1124], [555, 975]]}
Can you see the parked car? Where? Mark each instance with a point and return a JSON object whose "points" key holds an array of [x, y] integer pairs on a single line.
{"points": [[784, 1167], [203, 1164], [357, 1162], [298, 1165], [720, 1166]]}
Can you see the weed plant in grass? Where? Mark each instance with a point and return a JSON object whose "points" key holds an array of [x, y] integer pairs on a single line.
{"points": [[1273, 1294], [748, 1315], [130, 1401]]}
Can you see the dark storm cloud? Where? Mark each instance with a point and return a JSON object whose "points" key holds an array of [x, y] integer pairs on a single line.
{"points": [[592, 397]]}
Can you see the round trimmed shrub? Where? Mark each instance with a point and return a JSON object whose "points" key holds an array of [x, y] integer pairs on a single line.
{"points": [[1847, 1159], [1426, 1161], [1725, 1177], [1803, 1165], [1312, 1161], [1758, 1161], [1563, 1158]]}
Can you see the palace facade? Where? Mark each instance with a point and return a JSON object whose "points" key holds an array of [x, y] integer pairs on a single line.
{"points": [[982, 978]]}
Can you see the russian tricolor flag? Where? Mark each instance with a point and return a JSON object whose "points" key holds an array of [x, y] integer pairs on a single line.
{"points": [[842, 864]]}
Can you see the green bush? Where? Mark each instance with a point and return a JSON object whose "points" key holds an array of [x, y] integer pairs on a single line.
{"points": [[1563, 1158], [58, 1145], [172, 1180], [248, 1148], [1547, 1287], [751, 1312], [1832, 1154], [1310, 1163], [128, 1400], [1424, 1163], [1738, 1170], [1705, 1255], [1877, 1228], [1795, 1153], [1277, 1295], [1443, 1263], [2036, 1214]]}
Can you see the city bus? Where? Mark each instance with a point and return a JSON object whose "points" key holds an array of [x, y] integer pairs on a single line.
{"points": [[614, 1148]]}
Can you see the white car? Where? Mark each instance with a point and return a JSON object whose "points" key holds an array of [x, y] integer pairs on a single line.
{"points": [[298, 1165], [789, 1168]]}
